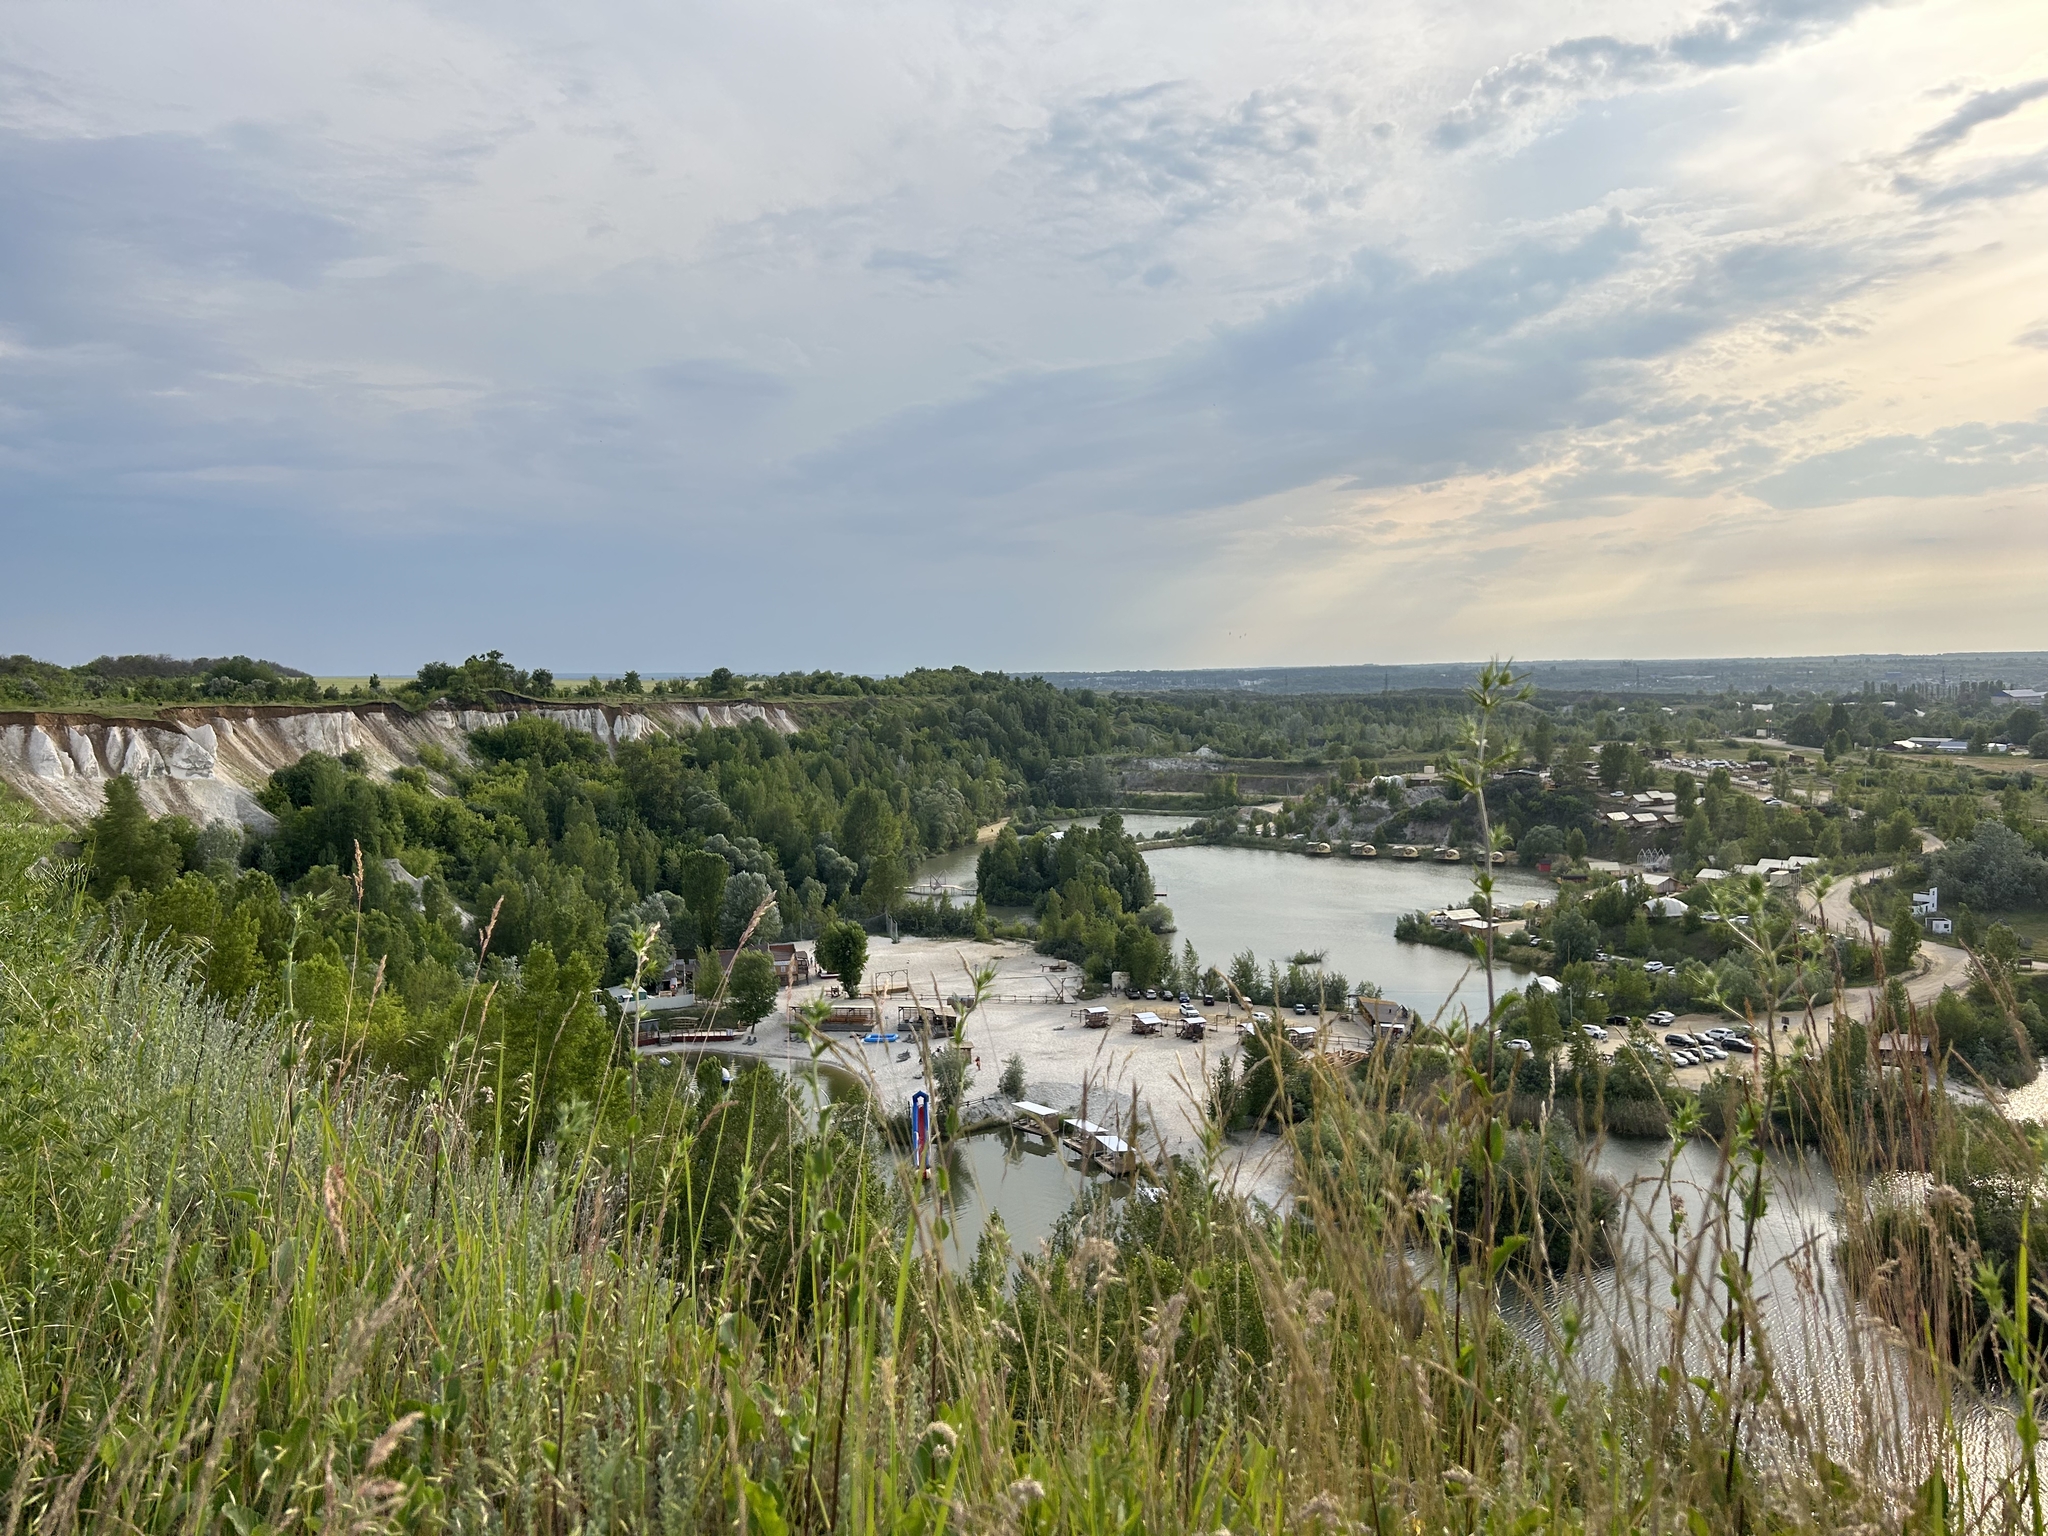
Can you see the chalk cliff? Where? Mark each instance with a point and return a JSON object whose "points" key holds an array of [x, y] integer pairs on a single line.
{"points": [[206, 762]]}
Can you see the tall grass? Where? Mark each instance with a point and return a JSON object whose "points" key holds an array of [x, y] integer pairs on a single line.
{"points": [[246, 1285]]}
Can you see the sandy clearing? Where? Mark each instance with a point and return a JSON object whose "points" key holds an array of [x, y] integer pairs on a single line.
{"points": [[1066, 1065]]}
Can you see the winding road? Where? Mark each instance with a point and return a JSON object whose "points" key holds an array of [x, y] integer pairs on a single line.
{"points": [[1946, 967]]}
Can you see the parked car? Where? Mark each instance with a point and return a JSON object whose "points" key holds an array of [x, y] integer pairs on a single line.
{"points": [[1654, 967], [1301, 1010], [1134, 995], [1182, 998], [1594, 1031], [1679, 1038], [1151, 992], [1663, 1016], [1737, 1044], [1262, 1018], [1519, 1044], [1208, 999], [1710, 1052], [1617, 1021]]}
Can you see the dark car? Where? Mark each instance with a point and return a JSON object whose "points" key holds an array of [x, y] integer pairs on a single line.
{"points": [[1680, 1039], [1135, 995], [1183, 998], [1737, 1044], [1208, 999]]}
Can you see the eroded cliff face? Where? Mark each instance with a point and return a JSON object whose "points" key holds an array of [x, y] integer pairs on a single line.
{"points": [[207, 763]]}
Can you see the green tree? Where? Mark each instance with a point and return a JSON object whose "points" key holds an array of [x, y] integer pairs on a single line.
{"points": [[885, 884], [1904, 941], [747, 893], [868, 827], [700, 880], [1011, 1083], [1628, 991], [1244, 974], [1614, 764], [1573, 937], [1540, 1022], [1635, 937], [1139, 951], [1575, 845], [1994, 869], [843, 950], [124, 849], [752, 985], [952, 1075], [546, 1046]]}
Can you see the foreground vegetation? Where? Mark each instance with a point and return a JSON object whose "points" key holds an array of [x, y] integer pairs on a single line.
{"points": [[250, 1284]]}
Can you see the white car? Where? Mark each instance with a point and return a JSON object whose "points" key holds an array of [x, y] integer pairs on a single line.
{"points": [[1663, 1016], [1654, 967], [1519, 1044], [1712, 1052], [1594, 1031], [1684, 1059]]}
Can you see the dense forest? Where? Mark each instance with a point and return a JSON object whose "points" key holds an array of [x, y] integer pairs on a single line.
{"points": [[594, 863]]}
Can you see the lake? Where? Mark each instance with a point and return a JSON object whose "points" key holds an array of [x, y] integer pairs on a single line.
{"points": [[1275, 903], [1228, 899], [1032, 1185]]}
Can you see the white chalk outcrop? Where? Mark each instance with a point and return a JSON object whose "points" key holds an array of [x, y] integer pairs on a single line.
{"points": [[206, 763]]}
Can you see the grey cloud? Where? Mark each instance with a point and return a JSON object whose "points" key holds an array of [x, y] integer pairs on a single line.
{"points": [[2035, 335], [1956, 461], [1389, 375], [2008, 178], [1982, 107], [89, 220], [1157, 145], [913, 264], [1733, 32]]}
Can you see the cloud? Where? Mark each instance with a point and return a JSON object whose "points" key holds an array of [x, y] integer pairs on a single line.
{"points": [[517, 325], [1731, 33], [913, 264], [133, 229], [1387, 375], [1981, 107], [1956, 461], [1158, 144], [2011, 177]]}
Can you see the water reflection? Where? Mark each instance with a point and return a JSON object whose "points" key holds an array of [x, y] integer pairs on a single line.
{"points": [[1859, 1389], [1029, 1181], [1274, 903], [1228, 899]]}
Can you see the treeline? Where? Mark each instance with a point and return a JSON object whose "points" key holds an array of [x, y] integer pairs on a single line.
{"points": [[155, 680]]}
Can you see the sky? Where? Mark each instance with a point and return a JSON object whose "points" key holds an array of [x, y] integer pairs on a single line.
{"points": [[784, 334]]}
